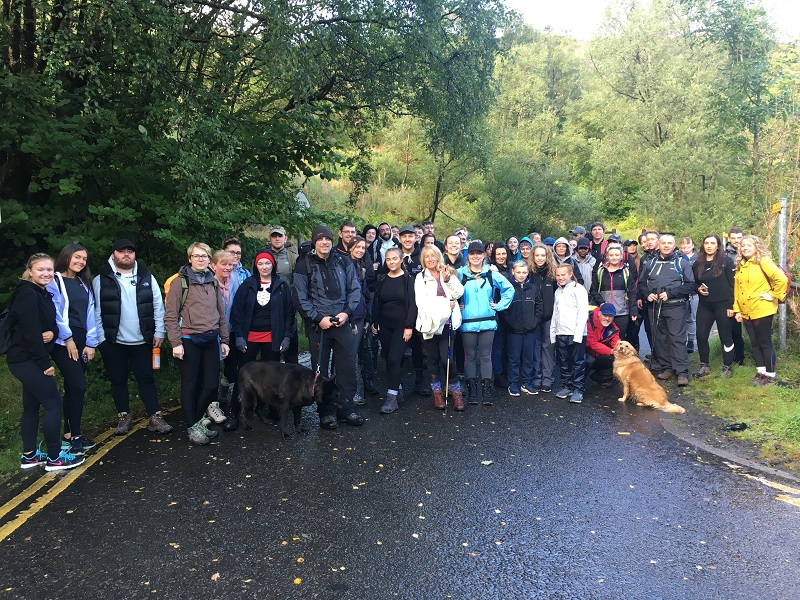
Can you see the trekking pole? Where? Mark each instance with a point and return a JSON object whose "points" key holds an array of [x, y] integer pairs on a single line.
{"points": [[657, 312], [449, 352]]}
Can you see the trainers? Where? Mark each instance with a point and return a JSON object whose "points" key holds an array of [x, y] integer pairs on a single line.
{"points": [[80, 445], [664, 375], [545, 389], [215, 413], [63, 461], [27, 461], [576, 398], [531, 391], [124, 425], [66, 443], [758, 379], [209, 433], [512, 391], [359, 399], [703, 371], [157, 423], [196, 435], [390, 405], [562, 393], [727, 371], [690, 347]]}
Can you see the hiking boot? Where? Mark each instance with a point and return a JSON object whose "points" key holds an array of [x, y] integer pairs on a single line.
{"points": [[359, 399], [576, 398], [401, 395], [215, 413], [209, 433], [766, 380], [473, 391], [690, 347], [29, 461], [354, 419], [421, 384], [703, 371], [727, 371], [530, 390], [63, 462], [458, 400], [328, 422], [390, 405], [488, 389], [438, 400], [683, 380], [563, 393], [124, 424], [197, 436], [664, 375], [758, 380], [157, 423], [231, 423]]}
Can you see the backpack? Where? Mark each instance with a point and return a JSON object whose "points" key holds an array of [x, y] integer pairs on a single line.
{"points": [[5, 332], [496, 294], [788, 282], [625, 273], [185, 289]]}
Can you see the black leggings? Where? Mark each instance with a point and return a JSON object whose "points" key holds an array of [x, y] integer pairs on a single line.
{"points": [[706, 315], [760, 333], [199, 379], [38, 390], [437, 349], [393, 347], [74, 375]]}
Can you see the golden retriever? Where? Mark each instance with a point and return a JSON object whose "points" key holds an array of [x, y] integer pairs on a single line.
{"points": [[638, 382]]}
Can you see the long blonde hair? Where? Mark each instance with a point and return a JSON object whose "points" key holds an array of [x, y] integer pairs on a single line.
{"points": [[550, 261], [427, 251], [761, 250]]}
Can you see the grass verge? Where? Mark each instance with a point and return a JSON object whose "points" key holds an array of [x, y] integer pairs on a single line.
{"points": [[772, 413]]}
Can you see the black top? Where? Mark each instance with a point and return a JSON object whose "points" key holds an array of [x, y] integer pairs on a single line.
{"points": [[720, 288], [393, 302], [78, 302], [262, 315], [30, 314]]}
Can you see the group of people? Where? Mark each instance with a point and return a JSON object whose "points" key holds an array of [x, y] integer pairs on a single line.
{"points": [[504, 314]]}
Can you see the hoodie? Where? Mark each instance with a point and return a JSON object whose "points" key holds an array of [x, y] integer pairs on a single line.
{"points": [[568, 259]]}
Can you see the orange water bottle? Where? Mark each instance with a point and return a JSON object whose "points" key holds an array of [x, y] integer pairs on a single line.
{"points": [[156, 358]]}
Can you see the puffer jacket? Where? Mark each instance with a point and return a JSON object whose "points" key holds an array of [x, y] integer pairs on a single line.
{"points": [[752, 279], [600, 341], [325, 287], [476, 314]]}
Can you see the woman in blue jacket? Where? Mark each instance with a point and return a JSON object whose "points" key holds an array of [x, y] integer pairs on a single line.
{"points": [[479, 320]]}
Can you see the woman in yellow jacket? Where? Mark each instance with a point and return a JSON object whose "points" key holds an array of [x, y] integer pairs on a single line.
{"points": [[758, 286]]}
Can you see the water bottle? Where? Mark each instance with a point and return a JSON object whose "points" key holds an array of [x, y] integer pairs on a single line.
{"points": [[156, 358]]}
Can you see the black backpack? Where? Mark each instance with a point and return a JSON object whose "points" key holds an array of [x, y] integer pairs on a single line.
{"points": [[5, 331]]}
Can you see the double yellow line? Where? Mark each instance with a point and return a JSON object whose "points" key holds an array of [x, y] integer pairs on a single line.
{"points": [[63, 481]]}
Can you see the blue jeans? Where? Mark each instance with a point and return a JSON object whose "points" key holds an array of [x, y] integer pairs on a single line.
{"points": [[523, 360]]}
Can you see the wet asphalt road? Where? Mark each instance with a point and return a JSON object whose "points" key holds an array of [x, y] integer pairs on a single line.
{"points": [[580, 501]]}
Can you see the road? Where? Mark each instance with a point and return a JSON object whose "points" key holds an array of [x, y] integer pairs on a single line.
{"points": [[531, 498]]}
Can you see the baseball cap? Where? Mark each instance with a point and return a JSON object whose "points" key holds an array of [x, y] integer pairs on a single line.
{"points": [[578, 229], [583, 243], [123, 243], [277, 229], [321, 231], [549, 241], [608, 309], [475, 247], [627, 243], [406, 229], [615, 237]]}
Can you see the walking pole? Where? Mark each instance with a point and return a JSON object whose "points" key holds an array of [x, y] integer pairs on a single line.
{"points": [[657, 313], [447, 373]]}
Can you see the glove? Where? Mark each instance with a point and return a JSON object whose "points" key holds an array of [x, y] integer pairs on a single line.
{"points": [[285, 344], [241, 344]]}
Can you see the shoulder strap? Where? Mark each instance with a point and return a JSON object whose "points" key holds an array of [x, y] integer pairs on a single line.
{"points": [[185, 289]]}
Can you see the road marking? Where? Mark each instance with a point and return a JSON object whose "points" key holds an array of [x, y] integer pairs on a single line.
{"points": [[792, 495], [64, 481]]}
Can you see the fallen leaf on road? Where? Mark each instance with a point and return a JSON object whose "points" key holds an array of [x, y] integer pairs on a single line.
{"points": [[486, 463], [297, 581], [623, 433], [215, 577]]}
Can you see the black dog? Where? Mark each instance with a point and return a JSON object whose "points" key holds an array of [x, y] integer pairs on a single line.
{"points": [[284, 386]]}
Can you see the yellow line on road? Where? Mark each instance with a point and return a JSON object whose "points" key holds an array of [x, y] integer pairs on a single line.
{"points": [[63, 483], [791, 495]]}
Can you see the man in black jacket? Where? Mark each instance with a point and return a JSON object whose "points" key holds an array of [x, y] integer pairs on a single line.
{"points": [[326, 292], [666, 282], [735, 236]]}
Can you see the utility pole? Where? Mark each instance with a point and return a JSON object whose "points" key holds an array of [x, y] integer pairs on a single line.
{"points": [[782, 233]]}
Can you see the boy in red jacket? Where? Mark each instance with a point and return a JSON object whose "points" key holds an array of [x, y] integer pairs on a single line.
{"points": [[601, 337]]}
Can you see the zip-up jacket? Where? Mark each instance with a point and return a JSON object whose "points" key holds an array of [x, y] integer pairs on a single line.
{"points": [[618, 288], [203, 310], [720, 288], [31, 313], [525, 312], [586, 268], [325, 287], [600, 341], [282, 321], [570, 312], [661, 273], [547, 288], [61, 301], [569, 259], [753, 278], [476, 314]]}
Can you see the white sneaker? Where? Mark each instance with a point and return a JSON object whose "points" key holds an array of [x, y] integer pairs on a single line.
{"points": [[215, 413]]}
